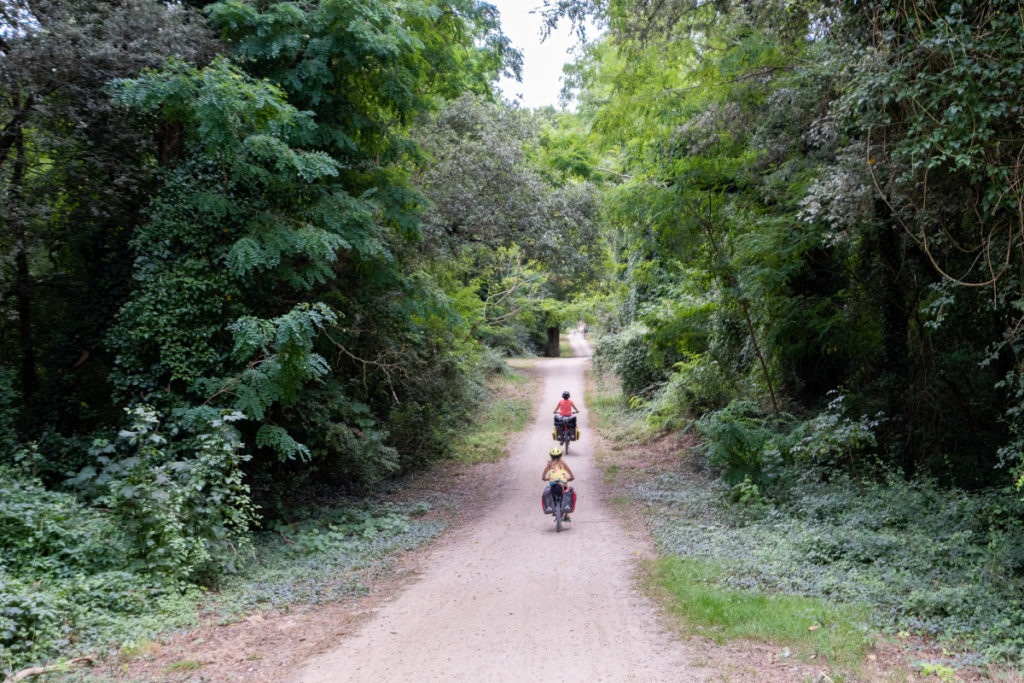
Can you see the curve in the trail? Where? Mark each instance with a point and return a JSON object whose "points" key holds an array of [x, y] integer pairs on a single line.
{"points": [[505, 598]]}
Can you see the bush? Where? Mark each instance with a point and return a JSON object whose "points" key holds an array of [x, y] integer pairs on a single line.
{"points": [[830, 437], [626, 354], [492, 362], [694, 387], [49, 533], [175, 491], [740, 438], [30, 621]]}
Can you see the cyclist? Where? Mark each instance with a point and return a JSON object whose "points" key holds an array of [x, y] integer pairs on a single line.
{"points": [[556, 471], [565, 409]]}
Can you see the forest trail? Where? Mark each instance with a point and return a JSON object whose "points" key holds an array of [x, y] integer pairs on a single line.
{"points": [[486, 604]]}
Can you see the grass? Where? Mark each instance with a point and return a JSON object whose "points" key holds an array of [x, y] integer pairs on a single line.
{"points": [[810, 626], [183, 665], [695, 588], [608, 411], [811, 564], [564, 347], [508, 408]]}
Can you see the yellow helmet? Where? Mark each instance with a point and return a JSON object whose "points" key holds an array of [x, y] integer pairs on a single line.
{"points": [[555, 452]]}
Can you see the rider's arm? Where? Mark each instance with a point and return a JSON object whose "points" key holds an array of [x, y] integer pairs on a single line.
{"points": [[568, 471], [544, 474], [574, 408]]}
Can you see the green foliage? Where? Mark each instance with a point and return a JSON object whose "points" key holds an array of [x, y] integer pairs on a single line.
{"points": [[350, 444], [694, 387], [925, 559], [59, 571], [626, 354], [75, 173], [795, 201], [175, 491], [831, 437], [28, 620], [510, 234], [8, 414], [50, 533], [229, 247], [279, 357], [740, 438]]}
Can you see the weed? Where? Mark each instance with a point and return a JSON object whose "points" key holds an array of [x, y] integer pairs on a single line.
{"points": [[941, 671], [183, 665]]}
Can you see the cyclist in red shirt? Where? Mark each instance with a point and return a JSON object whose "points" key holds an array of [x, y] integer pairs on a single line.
{"points": [[566, 407]]}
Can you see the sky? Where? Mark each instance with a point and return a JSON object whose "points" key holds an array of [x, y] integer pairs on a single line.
{"points": [[542, 62]]}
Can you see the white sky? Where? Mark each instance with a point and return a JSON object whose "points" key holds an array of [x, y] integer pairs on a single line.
{"points": [[542, 62]]}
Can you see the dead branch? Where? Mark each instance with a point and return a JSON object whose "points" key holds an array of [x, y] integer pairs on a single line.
{"points": [[34, 671]]}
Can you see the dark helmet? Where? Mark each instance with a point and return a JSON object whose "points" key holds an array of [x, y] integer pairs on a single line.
{"points": [[565, 394], [555, 452]]}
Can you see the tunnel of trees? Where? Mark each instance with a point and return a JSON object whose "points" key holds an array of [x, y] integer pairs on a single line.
{"points": [[248, 248]]}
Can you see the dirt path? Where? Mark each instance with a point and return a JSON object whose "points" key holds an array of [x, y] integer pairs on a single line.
{"points": [[485, 606]]}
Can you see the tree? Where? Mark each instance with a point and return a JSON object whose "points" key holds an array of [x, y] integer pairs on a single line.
{"points": [[73, 179], [515, 228]]}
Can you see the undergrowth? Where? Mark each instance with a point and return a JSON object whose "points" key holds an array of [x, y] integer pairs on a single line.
{"points": [[506, 411], [928, 561], [68, 584], [322, 556], [921, 559]]}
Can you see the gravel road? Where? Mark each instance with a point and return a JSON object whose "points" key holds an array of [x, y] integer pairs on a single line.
{"points": [[506, 598]]}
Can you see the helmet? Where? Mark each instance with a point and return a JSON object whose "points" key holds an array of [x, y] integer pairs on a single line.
{"points": [[565, 394], [555, 452]]}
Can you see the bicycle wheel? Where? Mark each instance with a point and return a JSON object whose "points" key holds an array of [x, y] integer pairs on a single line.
{"points": [[558, 516]]}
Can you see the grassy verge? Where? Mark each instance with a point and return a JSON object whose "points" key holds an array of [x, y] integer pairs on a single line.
{"points": [[933, 573], [564, 347], [506, 411], [703, 589], [811, 627]]}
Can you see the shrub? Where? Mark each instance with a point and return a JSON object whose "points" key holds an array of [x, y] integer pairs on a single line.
{"points": [[626, 354], [740, 438], [29, 620], [830, 437], [695, 386], [175, 490], [49, 533]]}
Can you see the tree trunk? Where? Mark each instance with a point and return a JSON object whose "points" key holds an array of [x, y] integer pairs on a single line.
{"points": [[22, 277], [551, 349], [895, 322]]}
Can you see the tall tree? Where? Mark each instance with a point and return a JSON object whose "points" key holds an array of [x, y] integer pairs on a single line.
{"points": [[73, 179]]}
